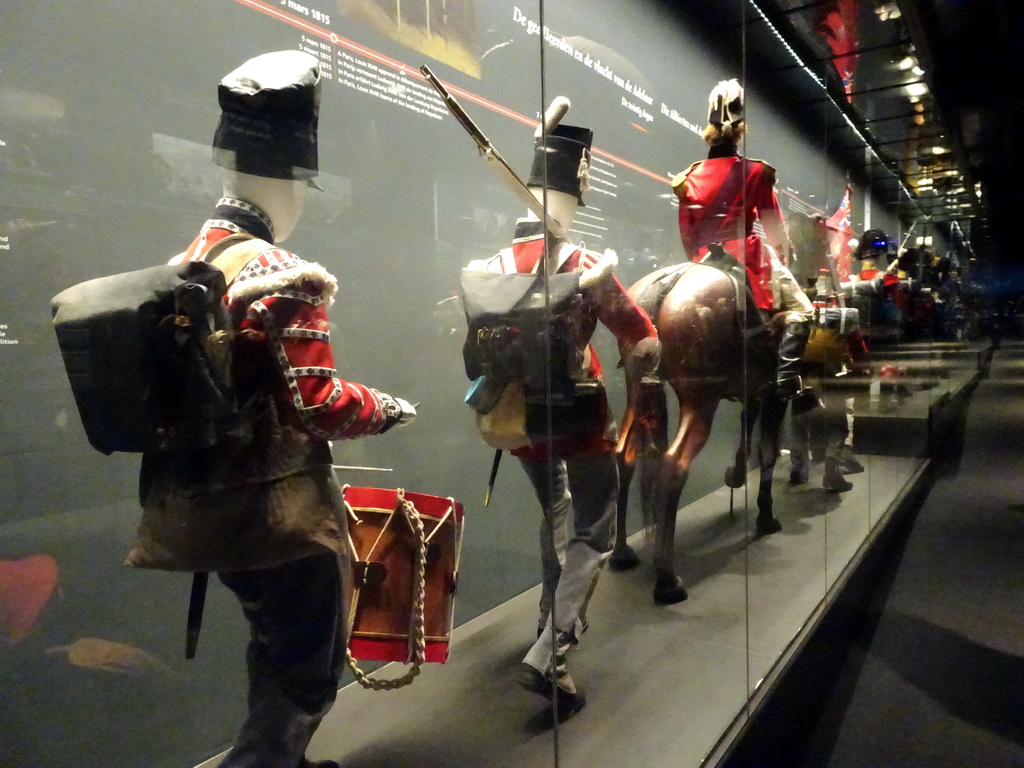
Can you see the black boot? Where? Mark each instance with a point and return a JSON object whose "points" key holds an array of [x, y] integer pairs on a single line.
{"points": [[651, 419], [834, 482], [788, 384]]}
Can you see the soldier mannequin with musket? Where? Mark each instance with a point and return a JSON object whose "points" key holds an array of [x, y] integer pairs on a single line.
{"points": [[573, 468]]}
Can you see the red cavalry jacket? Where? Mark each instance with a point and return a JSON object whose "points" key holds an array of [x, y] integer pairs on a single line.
{"points": [[719, 199], [274, 498]]}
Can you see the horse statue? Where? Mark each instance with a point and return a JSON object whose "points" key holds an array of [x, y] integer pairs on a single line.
{"points": [[715, 345]]}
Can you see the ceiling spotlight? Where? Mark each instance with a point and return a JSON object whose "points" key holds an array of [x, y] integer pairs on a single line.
{"points": [[907, 62], [917, 89], [917, 70], [937, 150]]}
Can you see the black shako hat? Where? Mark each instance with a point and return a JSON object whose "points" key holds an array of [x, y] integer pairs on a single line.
{"points": [[725, 103], [567, 152], [872, 240], [269, 111]]}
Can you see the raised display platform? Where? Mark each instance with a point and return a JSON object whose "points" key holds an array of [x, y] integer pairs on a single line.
{"points": [[664, 683], [669, 686], [908, 414]]}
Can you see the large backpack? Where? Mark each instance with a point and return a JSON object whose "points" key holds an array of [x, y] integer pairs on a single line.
{"points": [[147, 352], [829, 344], [518, 336]]}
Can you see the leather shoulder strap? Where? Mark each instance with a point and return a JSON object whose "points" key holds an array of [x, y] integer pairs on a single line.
{"points": [[231, 257]]}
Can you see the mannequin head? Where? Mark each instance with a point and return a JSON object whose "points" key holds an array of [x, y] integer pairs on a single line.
{"points": [[874, 245], [266, 139], [281, 199], [726, 124], [561, 205], [561, 161]]}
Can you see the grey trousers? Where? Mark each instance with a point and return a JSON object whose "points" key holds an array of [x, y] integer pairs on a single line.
{"points": [[295, 655], [825, 428], [583, 493]]}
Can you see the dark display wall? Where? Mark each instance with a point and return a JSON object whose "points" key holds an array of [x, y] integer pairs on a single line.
{"points": [[106, 114]]}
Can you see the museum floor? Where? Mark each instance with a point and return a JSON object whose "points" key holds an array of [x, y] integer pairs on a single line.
{"points": [[935, 677], [931, 679]]}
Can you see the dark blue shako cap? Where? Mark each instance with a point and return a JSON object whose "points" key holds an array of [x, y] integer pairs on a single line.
{"points": [[269, 111]]}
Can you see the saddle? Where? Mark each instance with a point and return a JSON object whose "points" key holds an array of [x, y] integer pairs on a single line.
{"points": [[652, 297], [713, 359]]}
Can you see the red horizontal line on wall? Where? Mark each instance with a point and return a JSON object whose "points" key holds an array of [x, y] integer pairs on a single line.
{"points": [[405, 69]]}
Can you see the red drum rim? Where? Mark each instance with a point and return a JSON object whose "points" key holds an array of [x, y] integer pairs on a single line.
{"points": [[384, 499]]}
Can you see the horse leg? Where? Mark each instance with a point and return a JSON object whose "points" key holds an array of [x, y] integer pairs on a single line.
{"points": [[773, 411], [695, 419], [623, 556], [736, 475], [644, 433]]}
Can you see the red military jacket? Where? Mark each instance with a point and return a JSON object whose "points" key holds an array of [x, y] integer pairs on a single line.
{"points": [[605, 300], [273, 498], [719, 199], [284, 300]]}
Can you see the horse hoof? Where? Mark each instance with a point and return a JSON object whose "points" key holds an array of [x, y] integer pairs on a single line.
{"points": [[734, 479], [768, 526], [669, 590], [623, 559]]}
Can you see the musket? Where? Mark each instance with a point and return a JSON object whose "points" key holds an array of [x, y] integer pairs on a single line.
{"points": [[509, 177]]}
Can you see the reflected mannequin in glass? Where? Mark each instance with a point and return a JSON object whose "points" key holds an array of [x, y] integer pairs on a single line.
{"points": [[264, 510], [836, 348]]}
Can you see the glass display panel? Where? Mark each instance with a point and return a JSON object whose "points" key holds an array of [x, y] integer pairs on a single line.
{"points": [[105, 151], [107, 167]]}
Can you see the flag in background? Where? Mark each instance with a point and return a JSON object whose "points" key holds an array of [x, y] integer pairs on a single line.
{"points": [[837, 22], [840, 234]]}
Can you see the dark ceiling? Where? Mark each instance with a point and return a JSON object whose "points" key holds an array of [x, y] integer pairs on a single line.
{"points": [[970, 50]]}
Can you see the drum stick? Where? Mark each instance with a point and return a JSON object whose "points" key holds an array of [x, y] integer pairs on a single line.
{"points": [[362, 469], [494, 474]]}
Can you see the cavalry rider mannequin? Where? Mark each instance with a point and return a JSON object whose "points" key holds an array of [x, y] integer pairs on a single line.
{"points": [[574, 473], [719, 198], [265, 511]]}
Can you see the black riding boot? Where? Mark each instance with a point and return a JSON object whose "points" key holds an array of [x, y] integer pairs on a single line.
{"points": [[788, 384], [651, 420]]}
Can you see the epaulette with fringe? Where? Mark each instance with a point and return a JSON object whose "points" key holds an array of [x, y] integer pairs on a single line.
{"points": [[769, 170], [679, 178], [276, 269]]}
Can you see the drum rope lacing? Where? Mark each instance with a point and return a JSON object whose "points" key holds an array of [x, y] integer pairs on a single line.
{"points": [[417, 630]]}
